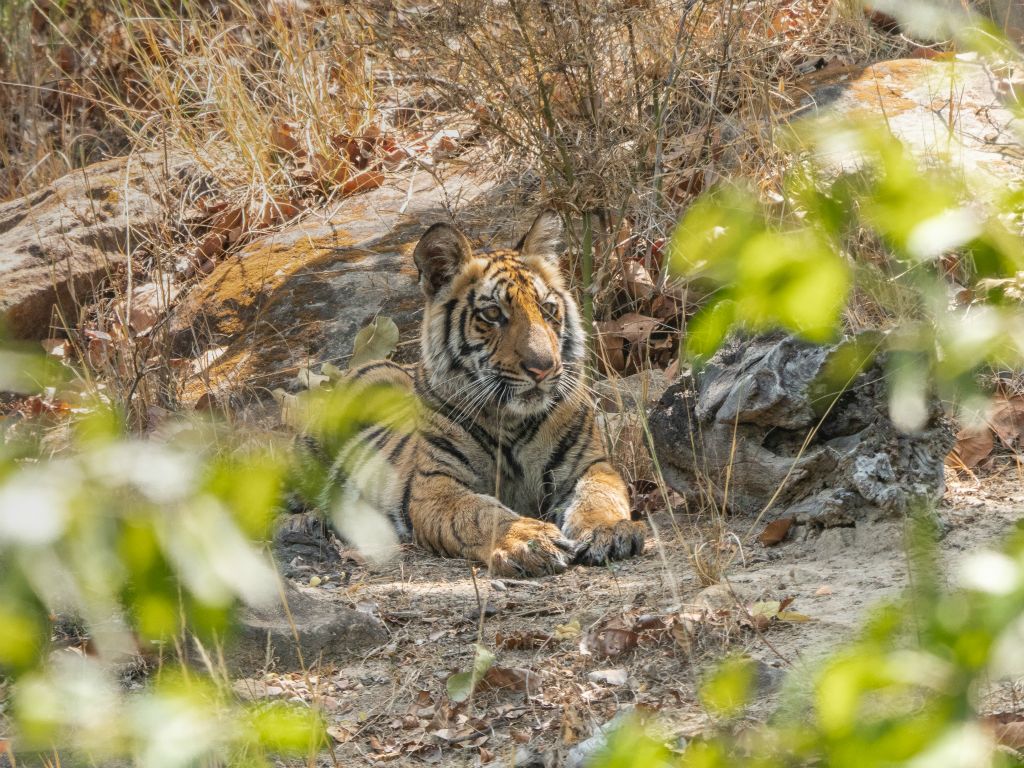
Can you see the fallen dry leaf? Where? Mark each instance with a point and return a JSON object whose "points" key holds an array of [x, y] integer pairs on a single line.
{"points": [[362, 181], [637, 280], [617, 676], [973, 445], [376, 341], [228, 222], [635, 328], [609, 642], [210, 246], [149, 303], [568, 631], [611, 350], [522, 640], [775, 531], [56, 347], [284, 135], [1008, 729], [342, 734], [1007, 420], [761, 614], [511, 679], [793, 617]]}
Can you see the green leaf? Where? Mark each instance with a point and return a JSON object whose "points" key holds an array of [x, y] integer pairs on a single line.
{"points": [[630, 746], [332, 372], [727, 691], [374, 342], [462, 684], [709, 327], [713, 229], [792, 279]]}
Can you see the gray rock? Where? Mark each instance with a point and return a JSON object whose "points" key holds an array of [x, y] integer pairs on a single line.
{"points": [[326, 632], [61, 244], [748, 412], [304, 535], [626, 394], [722, 597], [527, 758]]}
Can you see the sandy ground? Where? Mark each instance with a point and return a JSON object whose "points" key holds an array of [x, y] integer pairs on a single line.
{"points": [[392, 706]]}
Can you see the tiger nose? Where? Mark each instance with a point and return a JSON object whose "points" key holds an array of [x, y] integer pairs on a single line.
{"points": [[539, 368]]}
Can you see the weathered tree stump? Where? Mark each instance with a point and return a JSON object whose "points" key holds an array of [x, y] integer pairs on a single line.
{"points": [[766, 425]]}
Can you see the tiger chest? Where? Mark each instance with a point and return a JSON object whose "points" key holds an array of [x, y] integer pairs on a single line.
{"points": [[533, 482]]}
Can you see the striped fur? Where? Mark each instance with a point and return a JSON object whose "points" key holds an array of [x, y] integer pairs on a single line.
{"points": [[506, 464]]}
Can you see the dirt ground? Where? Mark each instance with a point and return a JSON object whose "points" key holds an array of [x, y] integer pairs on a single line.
{"points": [[392, 705]]}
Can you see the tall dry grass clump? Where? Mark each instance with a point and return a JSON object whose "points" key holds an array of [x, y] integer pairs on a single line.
{"points": [[263, 95]]}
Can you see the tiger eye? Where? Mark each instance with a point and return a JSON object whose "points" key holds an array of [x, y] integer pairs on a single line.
{"points": [[491, 314]]}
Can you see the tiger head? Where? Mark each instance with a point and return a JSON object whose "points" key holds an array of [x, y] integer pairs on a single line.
{"points": [[500, 327]]}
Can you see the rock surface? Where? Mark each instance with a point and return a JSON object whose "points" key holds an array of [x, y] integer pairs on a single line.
{"points": [[60, 244], [326, 632], [304, 535], [954, 109], [298, 297], [745, 418]]}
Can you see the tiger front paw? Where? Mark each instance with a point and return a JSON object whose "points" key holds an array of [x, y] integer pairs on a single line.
{"points": [[610, 541], [529, 547]]}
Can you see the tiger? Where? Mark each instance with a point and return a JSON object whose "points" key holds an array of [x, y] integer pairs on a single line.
{"points": [[506, 463]]}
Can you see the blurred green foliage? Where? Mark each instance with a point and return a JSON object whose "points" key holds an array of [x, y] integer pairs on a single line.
{"points": [[151, 545]]}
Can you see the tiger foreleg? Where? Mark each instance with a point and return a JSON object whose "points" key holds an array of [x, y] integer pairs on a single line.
{"points": [[451, 519], [598, 518]]}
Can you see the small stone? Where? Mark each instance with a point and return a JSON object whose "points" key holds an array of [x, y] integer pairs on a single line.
{"points": [[526, 758], [609, 676]]}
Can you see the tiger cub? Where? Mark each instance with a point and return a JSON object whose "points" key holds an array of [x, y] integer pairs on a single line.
{"points": [[506, 464]]}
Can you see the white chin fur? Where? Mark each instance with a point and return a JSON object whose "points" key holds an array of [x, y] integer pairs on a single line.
{"points": [[535, 405]]}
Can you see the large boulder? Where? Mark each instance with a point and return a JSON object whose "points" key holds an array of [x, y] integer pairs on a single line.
{"points": [[772, 423], [298, 297], [951, 109], [62, 243]]}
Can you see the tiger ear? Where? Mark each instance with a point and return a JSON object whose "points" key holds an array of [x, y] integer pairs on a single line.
{"points": [[439, 256], [544, 237]]}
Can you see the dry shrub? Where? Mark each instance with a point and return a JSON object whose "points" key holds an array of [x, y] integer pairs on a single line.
{"points": [[628, 108]]}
